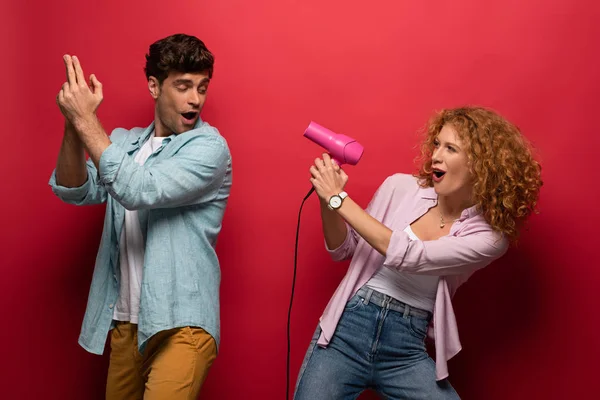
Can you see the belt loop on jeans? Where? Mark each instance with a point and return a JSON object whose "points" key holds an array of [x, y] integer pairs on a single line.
{"points": [[368, 295], [406, 311]]}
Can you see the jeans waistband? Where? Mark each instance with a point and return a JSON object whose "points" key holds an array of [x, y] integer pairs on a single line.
{"points": [[383, 300]]}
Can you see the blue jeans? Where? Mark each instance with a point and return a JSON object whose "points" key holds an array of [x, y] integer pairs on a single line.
{"points": [[379, 344]]}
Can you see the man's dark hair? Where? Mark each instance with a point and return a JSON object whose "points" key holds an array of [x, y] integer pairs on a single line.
{"points": [[179, 52]]}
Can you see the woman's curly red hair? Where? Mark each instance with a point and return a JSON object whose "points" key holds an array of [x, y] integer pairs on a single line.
{"points": [[506, 178]]}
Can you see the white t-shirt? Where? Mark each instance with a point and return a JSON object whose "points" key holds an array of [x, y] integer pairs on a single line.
{"points": [[415, 290], [131, 254]]}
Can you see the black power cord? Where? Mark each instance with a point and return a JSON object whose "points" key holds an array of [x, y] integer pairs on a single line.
{"points": [[287, 384]]}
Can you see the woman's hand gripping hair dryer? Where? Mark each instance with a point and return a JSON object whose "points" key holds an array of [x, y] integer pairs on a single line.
{"points": [[341, 148]]}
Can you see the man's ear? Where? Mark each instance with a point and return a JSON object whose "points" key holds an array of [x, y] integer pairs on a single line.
{"points": [[153, 87]]}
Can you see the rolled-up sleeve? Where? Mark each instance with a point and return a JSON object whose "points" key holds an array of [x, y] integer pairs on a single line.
{"points": [[449, 255], [192, 175], [91, 192], [346, 249]]}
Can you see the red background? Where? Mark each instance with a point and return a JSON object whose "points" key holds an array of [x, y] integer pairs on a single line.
{"points": [[375, 71]]}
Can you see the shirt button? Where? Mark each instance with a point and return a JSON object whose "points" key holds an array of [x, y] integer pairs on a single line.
{"points": [[110, 306]]}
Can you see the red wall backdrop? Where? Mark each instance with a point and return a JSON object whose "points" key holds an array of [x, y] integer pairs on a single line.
{"points": [[375, 71]]}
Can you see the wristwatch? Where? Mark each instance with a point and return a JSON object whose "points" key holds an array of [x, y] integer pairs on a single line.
{"points": [[336, 200]]}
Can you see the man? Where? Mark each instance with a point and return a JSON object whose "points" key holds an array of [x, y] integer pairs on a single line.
{"points": [[156, 280]]}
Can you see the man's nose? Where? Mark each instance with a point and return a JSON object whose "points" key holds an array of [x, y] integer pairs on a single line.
{"points": [[194, 98]]}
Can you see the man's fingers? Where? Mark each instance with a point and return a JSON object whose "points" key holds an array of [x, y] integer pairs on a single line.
{"points": [[71, 78], [96, 85], [61, 97], [78, 71]]}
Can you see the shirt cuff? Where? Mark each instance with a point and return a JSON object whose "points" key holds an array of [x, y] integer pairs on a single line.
{"points": [[396, 249], [340, 252], [69, 194]]}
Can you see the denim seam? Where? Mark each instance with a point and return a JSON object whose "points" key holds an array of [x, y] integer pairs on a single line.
{"points": [[304, 366], [382, 315]]}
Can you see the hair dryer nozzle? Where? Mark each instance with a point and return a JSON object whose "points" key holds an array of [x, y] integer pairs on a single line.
{"points": [[342, 148]]}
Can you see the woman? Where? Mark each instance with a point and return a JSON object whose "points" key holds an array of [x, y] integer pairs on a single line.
{"points": [[419, 239]]}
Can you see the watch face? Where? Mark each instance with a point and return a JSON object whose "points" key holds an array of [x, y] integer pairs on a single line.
{"points": [[335, 201]]}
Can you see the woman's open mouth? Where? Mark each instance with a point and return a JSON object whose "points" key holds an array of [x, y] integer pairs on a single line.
{"points": [[438, 175]]}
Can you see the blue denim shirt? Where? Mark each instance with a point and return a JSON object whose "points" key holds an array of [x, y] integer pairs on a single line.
{"points": [[180, 193]]}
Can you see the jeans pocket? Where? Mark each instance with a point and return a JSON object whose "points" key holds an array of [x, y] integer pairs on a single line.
{"points": [[418, 327], [355, 302]]}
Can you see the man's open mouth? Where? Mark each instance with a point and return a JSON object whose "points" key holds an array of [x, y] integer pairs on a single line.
{"points": [[190, 116]]}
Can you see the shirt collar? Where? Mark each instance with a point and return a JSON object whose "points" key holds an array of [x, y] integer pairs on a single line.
{"points": [[141, 139], [137, 142]]}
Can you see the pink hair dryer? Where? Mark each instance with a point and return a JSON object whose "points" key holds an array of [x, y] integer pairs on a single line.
{"points": [[343, 149]]}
